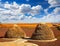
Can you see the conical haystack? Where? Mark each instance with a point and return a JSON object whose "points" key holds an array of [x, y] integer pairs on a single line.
{"points": [[43, 32], [15, 32]]}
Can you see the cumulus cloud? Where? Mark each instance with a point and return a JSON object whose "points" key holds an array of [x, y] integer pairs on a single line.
{"points": [[7, 5], [54, 3], [18, 12], [14, 13], [57, 10], [14, 5], [53, 17], [36, 10], [15, 9], [25, 8]]}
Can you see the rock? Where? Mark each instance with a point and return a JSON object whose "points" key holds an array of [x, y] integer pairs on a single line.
{"points": [[43, 32]]}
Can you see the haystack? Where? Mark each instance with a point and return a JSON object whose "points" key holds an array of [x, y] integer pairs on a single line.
{"points": [[15, 32], [43, 32]]}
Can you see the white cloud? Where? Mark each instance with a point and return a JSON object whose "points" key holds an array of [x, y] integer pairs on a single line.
{"points": [[11, 6], [14, 5], [46, 10], [17, 12], [7, 5], [21, 16], [25, 8], [1, 9], [14, 13], [36, 10], [57, 10], [5, 12], [54, 3], [21, 9], [29, 17], [53, 17]]}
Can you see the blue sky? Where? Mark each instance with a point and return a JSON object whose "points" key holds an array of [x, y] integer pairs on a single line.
{"points": [[31, 2], [29, 11]]}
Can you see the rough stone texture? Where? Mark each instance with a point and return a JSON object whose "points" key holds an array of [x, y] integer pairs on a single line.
{"points": [[15, 32], [43, 32]]}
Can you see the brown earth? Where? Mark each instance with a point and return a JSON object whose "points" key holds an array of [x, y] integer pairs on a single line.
{"points": [[55, 43], [56, 32], [29, 29], [3, 32], [57, 35]]}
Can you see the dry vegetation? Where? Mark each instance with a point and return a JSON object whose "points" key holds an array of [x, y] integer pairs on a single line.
{"points": [[29, 30], [15, 32], [43, 32]]}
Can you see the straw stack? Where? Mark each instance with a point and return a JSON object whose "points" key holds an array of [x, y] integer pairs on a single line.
{"points": [[43, 32]]}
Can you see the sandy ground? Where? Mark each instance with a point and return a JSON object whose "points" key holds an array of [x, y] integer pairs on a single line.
{"points": [[55, 43], [24, 42], [15, 42], [29, 33]]}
